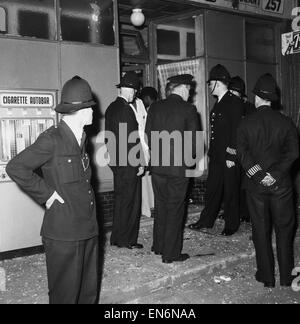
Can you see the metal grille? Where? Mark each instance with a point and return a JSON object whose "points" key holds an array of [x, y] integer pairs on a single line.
{"points": [[18, 134]]}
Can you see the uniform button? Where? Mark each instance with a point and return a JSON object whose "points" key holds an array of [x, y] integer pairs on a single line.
{"points": [[69, 161], [212, 132], [212, 138], [87, 181], [92, 203], [90, 192]]}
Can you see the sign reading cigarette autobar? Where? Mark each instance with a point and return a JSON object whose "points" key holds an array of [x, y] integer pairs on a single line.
{"points": [[26, 100]]}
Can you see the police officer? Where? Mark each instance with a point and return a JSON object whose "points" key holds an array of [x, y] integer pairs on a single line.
{"points": [[121, 121], [69, 230], [267, 147], [224, 174], [238, 88], [173, 115]]}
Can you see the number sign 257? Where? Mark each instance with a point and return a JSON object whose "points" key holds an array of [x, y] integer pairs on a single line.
{"points": [[275, 6]]}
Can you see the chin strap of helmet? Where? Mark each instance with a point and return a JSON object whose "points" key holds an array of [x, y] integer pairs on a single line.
{"points": [[213, 90]]}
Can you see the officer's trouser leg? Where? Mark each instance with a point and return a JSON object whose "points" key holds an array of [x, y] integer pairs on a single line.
{"points": [[259, 208], [72, 269], [231, 198], [160, 188], [213, 195], [127, 208], [173, 239], [282, 207]]}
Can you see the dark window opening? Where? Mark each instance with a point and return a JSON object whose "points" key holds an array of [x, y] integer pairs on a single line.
{"points": [[191, 45], [168, 42], [88, 21], [74, 29], [33, 24]]}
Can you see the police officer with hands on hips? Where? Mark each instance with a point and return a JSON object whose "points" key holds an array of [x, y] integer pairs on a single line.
{"points": [[170, 182], [127, 177], [69, 230], [267, 146], [224, 173]]}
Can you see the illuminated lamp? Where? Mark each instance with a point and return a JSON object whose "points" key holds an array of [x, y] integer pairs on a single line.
{"points": [[137, 17]]}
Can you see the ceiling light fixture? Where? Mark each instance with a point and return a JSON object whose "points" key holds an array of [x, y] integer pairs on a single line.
{"points": [[137, 17]]}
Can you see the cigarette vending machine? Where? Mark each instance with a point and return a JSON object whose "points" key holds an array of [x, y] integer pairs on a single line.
{"points": [[24, 115]]}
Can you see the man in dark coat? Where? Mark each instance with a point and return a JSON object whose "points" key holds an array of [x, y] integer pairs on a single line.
{"points": [[238, 88], [224, 173], [121, 122], [173, 116], [267, 147], [69, 230]]}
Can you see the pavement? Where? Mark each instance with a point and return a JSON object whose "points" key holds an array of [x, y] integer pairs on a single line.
{"points": [[130, 275]]}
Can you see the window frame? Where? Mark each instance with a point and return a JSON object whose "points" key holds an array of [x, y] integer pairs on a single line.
{"points": [[57, 31], [142, 58]]}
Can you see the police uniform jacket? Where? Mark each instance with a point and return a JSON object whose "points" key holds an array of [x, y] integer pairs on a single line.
{"points": [[169, 115], [65, 169], [224, 120], [267, 143], [249, 108], [120, 113]]}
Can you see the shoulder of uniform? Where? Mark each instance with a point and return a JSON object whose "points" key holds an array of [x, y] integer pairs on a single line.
{"points": [[50, 130], [191, 107]]}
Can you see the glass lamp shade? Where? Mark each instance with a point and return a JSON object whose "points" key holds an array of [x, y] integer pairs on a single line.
{"points": [[137, 17]]}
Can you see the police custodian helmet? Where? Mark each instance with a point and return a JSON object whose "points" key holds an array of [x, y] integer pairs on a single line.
{"points": [[219, 73], [76, 95], [266, 88], [238, 84]]}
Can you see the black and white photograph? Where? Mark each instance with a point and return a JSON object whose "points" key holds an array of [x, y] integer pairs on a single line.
{"points": [[149, 155]]}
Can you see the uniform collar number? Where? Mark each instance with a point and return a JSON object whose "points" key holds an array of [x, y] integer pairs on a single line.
{"points": [[85, 162]]}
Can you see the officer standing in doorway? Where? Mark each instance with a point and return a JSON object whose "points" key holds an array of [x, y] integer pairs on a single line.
{"points": [[69, 230], [173, 115], [267, 147], [224, 173]]}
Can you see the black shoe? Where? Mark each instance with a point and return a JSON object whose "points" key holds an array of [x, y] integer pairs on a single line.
{"points": [[181, 258], [287, 283], [155, 252], [227, 232], [196, 226], [267, 284], [135, 246], [130, 246]]}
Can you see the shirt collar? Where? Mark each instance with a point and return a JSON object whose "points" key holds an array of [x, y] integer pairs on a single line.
{"points": [[78, 132], [222, 96]]}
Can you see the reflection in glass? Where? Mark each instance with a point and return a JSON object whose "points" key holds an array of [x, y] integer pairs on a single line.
{"points": [[260, 43], [90, 21]]}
